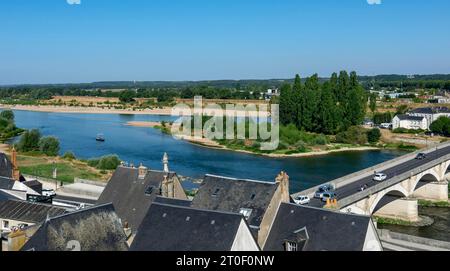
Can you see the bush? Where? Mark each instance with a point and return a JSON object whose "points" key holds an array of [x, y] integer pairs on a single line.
{"points": [[110, 162], [354, 135], [374, 135], [29, 141], [407, 131], [69, 156], [49, 146], [93, 162]]}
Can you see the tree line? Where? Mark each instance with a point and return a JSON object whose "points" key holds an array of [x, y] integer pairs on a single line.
{"points": [[329, 107]]}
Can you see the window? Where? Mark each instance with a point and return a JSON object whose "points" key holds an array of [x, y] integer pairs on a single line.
{"points": [[6, 224], [152, 189], [291, 246], [216, 193], [246, 213], [253, 196]]}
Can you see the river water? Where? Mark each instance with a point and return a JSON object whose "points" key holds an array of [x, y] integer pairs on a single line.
{"points": [[440, 229], [77, 133]]}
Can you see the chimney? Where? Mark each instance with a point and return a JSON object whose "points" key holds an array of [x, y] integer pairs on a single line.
{"points": [[15, 169], [283, 181], [165, 161], [142, 171]]}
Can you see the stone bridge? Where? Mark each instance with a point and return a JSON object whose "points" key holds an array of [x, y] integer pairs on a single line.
{"points": [[408, 180]]}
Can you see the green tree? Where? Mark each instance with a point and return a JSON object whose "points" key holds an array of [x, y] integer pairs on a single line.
{"points": [[402, 109], [127, 96], [49, 146], [354, 135], [441, 126], [374, 135], [373, 103], [288, 107], [7, 114], [327, 111], [29, 141]]}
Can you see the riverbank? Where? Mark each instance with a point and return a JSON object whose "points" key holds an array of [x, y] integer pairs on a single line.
{"points": [[166, 111], [213, 144], [87, 110]]}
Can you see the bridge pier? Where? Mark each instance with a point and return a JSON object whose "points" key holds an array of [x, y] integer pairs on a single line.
{"points": [[404, 209], [437, 191]]}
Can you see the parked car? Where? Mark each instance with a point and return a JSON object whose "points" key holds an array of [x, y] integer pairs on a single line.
{"points": [[386, 125], [323, 189], [379, 177], [302, 200], [328, 196], [48, 193], [421, 156]]}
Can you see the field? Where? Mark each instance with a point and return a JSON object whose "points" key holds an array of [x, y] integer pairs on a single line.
{"points": [[67, 171]]}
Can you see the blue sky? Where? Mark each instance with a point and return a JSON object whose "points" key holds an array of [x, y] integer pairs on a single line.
{"points": [[50, 41]]}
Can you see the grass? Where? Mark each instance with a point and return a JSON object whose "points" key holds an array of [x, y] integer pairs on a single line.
{"points": [[440, 204], [67, 171], [390, 221]]}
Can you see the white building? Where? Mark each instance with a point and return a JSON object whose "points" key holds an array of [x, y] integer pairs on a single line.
{"points": [[430, 113], [410, 122]]}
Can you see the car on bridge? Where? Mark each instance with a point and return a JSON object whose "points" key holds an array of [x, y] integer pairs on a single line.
{"points": [[322, 190], [379, 177], [421, 156], [302, 200], [328, 196]]}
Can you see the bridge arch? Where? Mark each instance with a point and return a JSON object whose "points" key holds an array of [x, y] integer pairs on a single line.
{"points": [[429, 176], [385, 197], [446, 171]]}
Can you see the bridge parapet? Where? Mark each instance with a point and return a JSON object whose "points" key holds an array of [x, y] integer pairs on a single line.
{"points": [[348, 179], [390, 182]]}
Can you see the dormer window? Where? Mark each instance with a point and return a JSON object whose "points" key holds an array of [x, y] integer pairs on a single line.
{"points": [[291, 246], [216, 192], [246, 212], [149, 190], [253, 196]]}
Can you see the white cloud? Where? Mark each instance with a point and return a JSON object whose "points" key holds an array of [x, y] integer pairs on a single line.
{"points": [[74, 2], [374, 2]]}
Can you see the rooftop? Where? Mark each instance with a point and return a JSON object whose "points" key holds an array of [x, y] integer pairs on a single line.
{"points": [[176, 228], [6, 166], [27, 211], [233, 195], [411, 118], [94, 229], [320, 229], [132, 196], [430, 110]]}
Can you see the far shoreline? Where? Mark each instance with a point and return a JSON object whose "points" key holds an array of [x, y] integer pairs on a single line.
{"points": [[206, 143]]}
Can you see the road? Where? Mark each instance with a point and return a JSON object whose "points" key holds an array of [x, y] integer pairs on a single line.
{"points": [[355, 187]]}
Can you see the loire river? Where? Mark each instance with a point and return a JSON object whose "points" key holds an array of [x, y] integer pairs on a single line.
{"points": [[77, 133]]}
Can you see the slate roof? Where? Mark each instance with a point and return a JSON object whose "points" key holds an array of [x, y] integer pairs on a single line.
{"points": [[176, 202], [411, 118], [175, 228], [327, 230], [5, 196], [6, 166], [95, 229], [35, 185], [29, 212], [230, 195], [430, 110], [6, 183], [128, 193]]}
